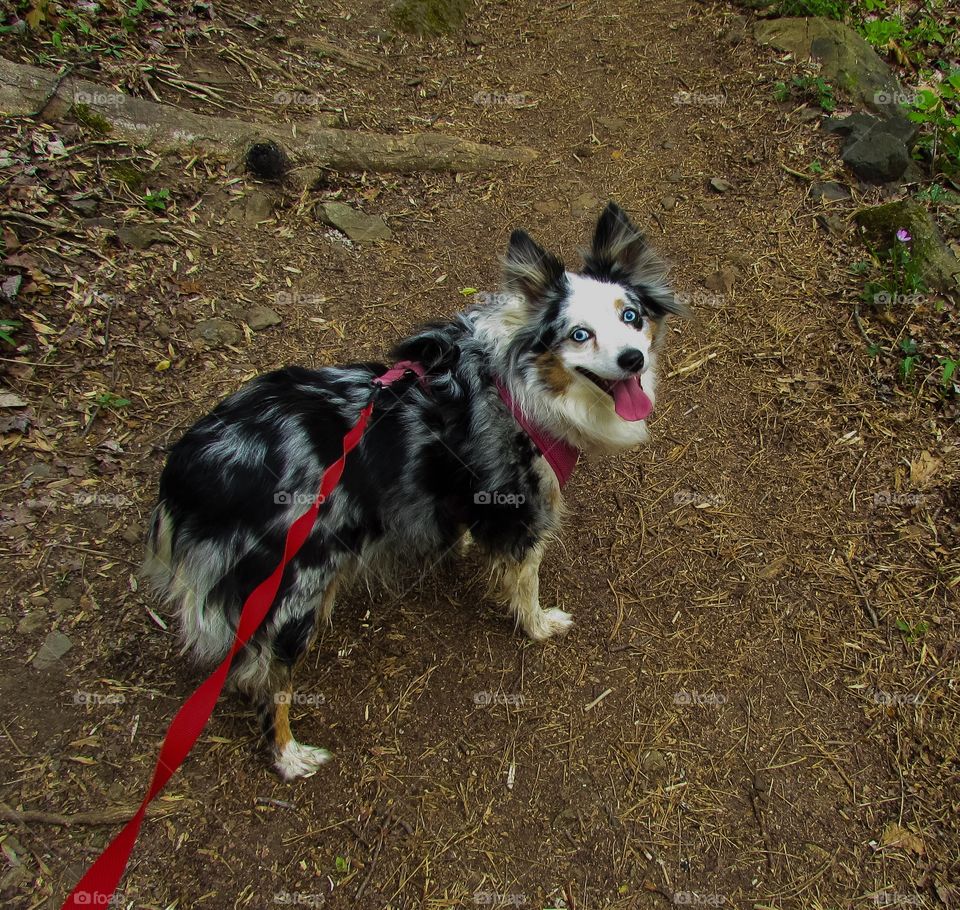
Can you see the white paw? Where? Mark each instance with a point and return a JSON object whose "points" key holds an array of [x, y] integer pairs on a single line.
{"points": [[547, 623], [297, 760]]}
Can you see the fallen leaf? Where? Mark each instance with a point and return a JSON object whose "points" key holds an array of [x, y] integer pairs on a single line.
{"points": [[895, 836], [923, 468]]}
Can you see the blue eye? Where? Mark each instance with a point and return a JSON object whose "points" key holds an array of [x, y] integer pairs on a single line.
{"points": [[630, 315], [580, 335]]}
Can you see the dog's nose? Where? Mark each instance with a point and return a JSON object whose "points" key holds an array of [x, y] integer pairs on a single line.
{"points": [[630, 360]]}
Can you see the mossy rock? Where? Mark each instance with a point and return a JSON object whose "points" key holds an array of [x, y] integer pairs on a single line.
{"points": [[430, 17], [879, 224], [93, 121], [846, 60], [125, 172]]}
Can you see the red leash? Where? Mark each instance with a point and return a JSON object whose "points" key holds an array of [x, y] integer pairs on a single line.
{"points": [[100, 881]]}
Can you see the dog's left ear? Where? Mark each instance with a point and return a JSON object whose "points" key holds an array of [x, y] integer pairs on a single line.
{"points": [[619, 253], [529, 270]]}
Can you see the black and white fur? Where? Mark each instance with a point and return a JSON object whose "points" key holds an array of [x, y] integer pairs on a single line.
{"points": [[423, 476]]}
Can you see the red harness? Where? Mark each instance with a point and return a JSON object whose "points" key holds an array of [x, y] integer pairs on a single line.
{"points": [[100, 881]]}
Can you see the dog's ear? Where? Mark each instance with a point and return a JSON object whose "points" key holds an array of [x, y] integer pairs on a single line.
{"points": [[529, 270], [619, 253], [431, 346]]}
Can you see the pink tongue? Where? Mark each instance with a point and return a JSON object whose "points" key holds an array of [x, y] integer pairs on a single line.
{"points": [[630, 401]]}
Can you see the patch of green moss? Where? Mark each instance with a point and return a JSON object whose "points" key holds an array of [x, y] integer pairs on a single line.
{"points": [[91, 120], [125, 172]]}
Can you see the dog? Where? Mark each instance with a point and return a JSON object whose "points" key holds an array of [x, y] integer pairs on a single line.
{"points": [[474, 449]]}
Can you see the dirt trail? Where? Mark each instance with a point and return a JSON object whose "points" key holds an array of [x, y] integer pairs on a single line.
{"points": [[725, 724]]}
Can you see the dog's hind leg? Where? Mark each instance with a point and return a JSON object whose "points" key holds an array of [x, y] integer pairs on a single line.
{"points": [[291, 644], [520, 587]]}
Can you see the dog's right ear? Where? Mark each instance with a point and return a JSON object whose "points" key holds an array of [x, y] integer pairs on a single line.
{"points": [[529, 270]]}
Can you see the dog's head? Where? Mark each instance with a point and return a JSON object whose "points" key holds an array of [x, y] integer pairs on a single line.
{"points": [[582, 347]]}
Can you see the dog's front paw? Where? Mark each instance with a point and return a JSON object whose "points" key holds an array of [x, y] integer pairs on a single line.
{"points": [[546, 623], [297, 760]]}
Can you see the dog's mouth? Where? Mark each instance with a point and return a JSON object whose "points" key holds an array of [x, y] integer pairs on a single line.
{"points": [[629, 400]]}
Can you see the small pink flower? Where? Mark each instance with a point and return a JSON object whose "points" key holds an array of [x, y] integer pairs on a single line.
{"points": [[903, 235]]}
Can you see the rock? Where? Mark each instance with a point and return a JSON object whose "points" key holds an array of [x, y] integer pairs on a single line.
{"points": [[548, 207], [846, 59], [430, 17], [723, 279], [938, 265], [62, 604], [34, 621], [858, 126], [829, 191], [54, 646], [586, 205], [138, 236], [832, 224], [132, 534], [675, 177], [260, 318], [254, 207], [877, 158], [653, 761], [163, 329], [669, 203], [720, 185], [86, 207], [808, 114], [215, 333], [473, 40], [354, 224]]}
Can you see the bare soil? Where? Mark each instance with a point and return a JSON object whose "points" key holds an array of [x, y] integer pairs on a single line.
{"points": [[758, 706]]}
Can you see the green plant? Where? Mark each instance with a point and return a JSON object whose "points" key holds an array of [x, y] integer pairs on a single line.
{"points": [[909, 348], [7, 328], [938, 110], [156, 202], [912, 631], [880, 32], [831, 9], [109, 400], [807, 88], [948, 369]]}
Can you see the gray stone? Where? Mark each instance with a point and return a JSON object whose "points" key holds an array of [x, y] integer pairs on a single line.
{"points": [[877, 158], [669, 203], [215, 333], [832, 224], [856, 125], [829, 191], [138, 236], [586, 205], [846, 59], [354, 224], [62, 604], [34, 621], [254, 207], [430, 17], [261, 317], [54, 646], [720, 185]]}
